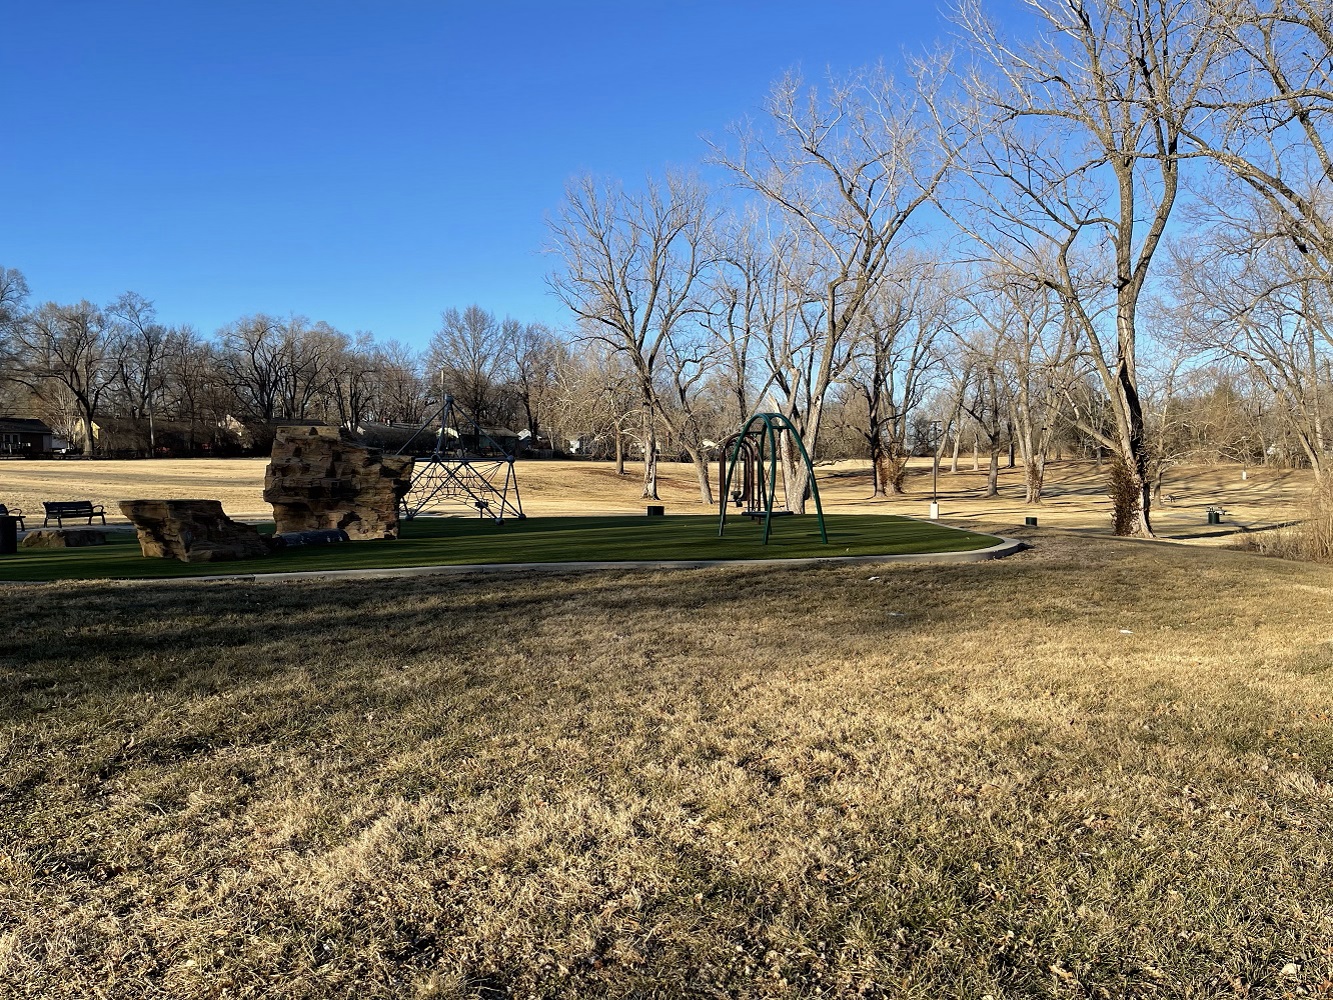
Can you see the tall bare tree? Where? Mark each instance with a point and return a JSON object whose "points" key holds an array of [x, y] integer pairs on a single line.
{"points": [[847, 166], [1265, 304], [630, 264], [897, 359], [1081, 155], [1020, 331], [140, 351]]}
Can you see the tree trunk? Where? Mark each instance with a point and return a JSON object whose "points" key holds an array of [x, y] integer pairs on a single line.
{"points": [[650, 442], [87, 420], [1034, 478], [993, 473], [620, 452], [795, 479], [700, 460], [650, 468]]}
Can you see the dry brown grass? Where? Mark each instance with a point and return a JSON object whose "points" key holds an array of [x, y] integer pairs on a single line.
{"points": [[1077, 491], [1098, 769], [1309, 539]]}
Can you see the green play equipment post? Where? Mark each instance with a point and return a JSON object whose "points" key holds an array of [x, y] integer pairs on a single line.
{"points": [[757, 439]]}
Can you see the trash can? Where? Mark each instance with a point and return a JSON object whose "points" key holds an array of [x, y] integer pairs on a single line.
{"points": [[9, 535], [656, 511], [1031, 522], [1214, 517]]}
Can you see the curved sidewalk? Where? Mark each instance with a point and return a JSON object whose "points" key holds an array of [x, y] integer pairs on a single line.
{"points": [[1006, 547]]}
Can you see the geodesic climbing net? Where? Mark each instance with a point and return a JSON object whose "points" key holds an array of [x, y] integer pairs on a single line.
{"points": [[454, 474]]}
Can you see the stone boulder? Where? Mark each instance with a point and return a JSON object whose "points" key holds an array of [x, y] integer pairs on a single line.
{"points": [[317, 481], [191, 531], [62, 538]]}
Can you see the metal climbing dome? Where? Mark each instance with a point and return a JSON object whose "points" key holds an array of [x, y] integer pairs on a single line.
{"points": [[466, 466], [755, 449]]}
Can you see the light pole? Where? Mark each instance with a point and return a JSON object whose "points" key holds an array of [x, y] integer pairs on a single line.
{"points": [[935, 431]]}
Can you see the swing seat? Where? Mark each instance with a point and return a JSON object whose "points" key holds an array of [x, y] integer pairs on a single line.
{"points": [[776, 513]]}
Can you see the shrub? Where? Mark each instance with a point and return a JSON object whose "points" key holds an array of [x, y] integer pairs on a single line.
{"points": [[1125, 497]]}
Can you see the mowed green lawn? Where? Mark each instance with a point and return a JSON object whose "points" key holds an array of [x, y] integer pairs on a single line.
{"points": [[460, 541], [1098, 769]]}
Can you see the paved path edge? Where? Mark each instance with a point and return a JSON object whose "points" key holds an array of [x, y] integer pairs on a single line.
{"points": [[1005, 547]]}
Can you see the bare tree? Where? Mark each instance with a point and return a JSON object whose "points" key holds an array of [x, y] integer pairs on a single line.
{"points": [[630, 263], [847, 167], [1271, 125], [897, 360], [255, 364], [1021, 333], [531, 360], [598, 397], [65, 355], [466, 355], [13, 306], [399, 392], [1082, 154], [1265, 304], [140, 353], [190, 380]]}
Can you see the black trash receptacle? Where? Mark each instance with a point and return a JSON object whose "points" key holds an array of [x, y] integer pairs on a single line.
{"points": [[655, 511], [9, 535]]}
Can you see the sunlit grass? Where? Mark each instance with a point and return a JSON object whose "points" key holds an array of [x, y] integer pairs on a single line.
{"points": [[460, 541], [1098, 769]]}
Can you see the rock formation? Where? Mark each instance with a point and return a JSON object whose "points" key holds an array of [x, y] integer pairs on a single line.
{"points": [[62, 538], [317, 481], [191, 531]]}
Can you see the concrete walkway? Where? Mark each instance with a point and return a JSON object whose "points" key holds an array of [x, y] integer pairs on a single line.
{"points": [[1005, 547]]}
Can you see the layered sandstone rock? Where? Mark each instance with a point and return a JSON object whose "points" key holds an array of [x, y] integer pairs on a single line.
{"points": [[191, 531], [317, 481], [62, 538]]}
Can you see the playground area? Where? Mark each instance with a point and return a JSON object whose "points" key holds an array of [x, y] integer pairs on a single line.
{"points": [[1076, 494]]}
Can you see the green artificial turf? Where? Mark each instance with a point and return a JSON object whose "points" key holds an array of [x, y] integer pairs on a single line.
{"points": [[459, 541]]}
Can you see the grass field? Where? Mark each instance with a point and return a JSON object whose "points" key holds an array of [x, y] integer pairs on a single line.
{"points": [[1096, 769], [460, 541], [1076, 495]]}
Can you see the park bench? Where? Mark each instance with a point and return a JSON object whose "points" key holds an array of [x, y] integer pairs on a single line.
{"points": [[60, 509], [14, 512]]}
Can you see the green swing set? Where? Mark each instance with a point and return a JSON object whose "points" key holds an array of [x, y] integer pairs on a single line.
{"points": [[755, 448]]}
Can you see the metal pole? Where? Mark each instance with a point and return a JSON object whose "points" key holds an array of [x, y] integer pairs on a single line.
{"points": [[935, 472]]}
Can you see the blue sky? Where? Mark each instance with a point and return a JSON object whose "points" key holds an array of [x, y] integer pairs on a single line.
{"points": [[369, 164]]}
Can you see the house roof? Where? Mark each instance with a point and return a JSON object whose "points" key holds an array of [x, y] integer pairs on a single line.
{"points": [[22, 425]]}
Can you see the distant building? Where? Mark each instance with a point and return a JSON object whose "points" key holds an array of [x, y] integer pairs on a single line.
{"points": [[24, 436]]}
